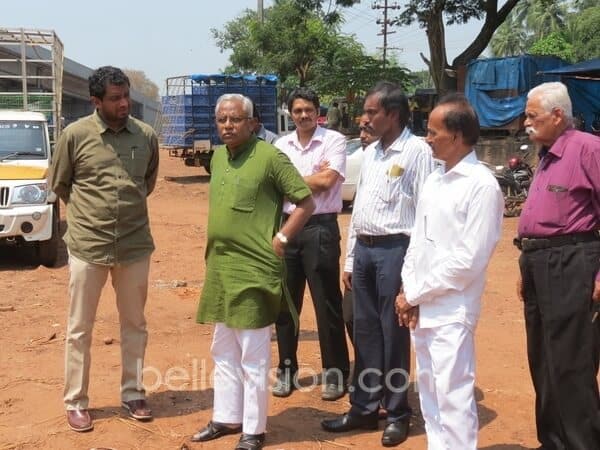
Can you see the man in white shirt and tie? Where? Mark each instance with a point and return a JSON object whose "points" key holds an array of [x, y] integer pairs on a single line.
{"points": [[457, 227]]}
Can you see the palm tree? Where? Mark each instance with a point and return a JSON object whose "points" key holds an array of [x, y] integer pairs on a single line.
{"points": [[509, 39], [545, 17]]}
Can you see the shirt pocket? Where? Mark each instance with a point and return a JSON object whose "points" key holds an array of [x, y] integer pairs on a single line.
{"points": [[244, 196], [393, 189], [137, 161], [556, 210]]}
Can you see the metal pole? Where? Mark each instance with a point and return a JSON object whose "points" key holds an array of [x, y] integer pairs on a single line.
{"points": [[385, 24], [24, 68], [260, 10]]}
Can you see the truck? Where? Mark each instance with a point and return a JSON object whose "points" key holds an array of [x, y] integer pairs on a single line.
{"points": [[30, 123], [188, 126]]}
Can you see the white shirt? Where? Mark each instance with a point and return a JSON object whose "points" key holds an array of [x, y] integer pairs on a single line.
{"points": [[458, 224], [325, 145], [388, 188]]}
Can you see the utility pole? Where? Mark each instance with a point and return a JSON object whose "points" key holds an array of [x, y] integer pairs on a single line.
{"points": [[260, 10], [384, 26]]}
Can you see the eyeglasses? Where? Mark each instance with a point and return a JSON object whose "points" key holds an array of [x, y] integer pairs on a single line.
{"points": [[234, 120]]}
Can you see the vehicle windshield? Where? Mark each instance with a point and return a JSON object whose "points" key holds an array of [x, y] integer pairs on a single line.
{"points": [[352, 145], [22, 140]]}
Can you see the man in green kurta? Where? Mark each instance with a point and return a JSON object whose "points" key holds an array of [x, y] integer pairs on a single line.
{"points": [[243, 287]]}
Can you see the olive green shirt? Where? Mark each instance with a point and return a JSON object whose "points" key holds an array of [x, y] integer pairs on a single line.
{"points": [[104, 177], [243, 286]]}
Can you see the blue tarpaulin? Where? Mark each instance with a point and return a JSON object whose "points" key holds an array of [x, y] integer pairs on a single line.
{"points": [[497, 87], [583, 82], [590, 68]]}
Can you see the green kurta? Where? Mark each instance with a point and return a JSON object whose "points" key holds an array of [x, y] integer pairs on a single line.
{"points": [[244, 277]]}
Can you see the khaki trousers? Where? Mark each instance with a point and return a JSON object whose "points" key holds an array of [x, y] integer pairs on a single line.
{"points": [[130, 282]]}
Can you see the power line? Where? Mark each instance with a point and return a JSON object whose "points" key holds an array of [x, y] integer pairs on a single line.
{"points": [[384, 26]]}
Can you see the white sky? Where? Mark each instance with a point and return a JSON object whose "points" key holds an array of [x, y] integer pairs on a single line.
{"points": [[166, 39]]}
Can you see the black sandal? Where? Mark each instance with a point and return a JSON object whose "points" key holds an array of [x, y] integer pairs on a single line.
{"points": [[214, 430], [251, 442]]}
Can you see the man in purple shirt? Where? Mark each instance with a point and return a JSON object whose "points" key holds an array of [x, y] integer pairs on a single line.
{"points": [[560, 282]]}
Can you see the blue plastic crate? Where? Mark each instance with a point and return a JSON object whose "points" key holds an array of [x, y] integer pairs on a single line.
{"points": [[177, 119], [200, 89], [268, 117], [172, 109], [177, 140], [201, 100], [173, 100], [177, 128], [201, 110], [253, 90]]}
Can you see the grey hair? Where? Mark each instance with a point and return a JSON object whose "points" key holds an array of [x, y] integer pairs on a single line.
{"points": [[553, 95], [246, 102]]}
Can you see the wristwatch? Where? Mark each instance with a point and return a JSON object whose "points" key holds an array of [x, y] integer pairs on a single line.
{"points": [[282, 237]]}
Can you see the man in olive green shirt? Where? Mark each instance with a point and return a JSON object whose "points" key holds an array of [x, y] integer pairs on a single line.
{"points": [[103, 168], [243, 287]]}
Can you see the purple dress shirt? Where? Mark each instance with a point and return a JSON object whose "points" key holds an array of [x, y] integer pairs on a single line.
{"points": [[564, 196]]}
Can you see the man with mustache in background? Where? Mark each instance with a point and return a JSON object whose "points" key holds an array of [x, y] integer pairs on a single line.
{"points": [[313, 255]]}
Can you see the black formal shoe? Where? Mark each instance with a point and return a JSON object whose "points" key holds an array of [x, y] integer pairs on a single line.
{"points": [[395, 433], [348, 423], [284, 385], [251, 441], [333, 391], [214, 430]]}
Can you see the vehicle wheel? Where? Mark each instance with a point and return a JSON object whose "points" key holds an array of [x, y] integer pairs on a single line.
{"points": [[206, 166], [346, 204], [47, 251]]}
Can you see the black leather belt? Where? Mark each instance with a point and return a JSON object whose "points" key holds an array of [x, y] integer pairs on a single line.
{"points": [[531, 244], [371, 241], [317, 218]]}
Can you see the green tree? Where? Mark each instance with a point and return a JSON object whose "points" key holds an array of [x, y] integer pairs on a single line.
{"points": [[509, 39], [288, 42], [141, 83], [586, 34], [355, 71], [433, 15], [545, 17], [553, 44], [422, 79]]}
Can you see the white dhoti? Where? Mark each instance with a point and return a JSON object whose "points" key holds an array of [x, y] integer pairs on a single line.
{"points": [[446, 380], [242, 362]]}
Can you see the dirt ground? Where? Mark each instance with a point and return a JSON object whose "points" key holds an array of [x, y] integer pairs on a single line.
{"points": [[33, 308]]}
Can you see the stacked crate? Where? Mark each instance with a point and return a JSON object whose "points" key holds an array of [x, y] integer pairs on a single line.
{"points": [[188, 109]]}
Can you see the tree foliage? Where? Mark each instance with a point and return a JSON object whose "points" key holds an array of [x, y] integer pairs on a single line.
{"points": [[572, 29], [586, 27], [509, 39], [553, 44], [289, 41], [355, 72], [433, 15], [141, 83], [300, 41]]}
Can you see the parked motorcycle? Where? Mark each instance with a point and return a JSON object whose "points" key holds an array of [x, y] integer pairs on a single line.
{"points": [[514, 180]]}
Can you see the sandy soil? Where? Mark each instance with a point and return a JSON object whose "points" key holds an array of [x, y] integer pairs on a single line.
{"points": [[33, 305]]}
